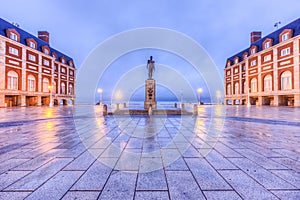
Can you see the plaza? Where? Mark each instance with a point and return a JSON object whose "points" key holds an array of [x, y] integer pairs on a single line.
{"points": [[226, 152]]}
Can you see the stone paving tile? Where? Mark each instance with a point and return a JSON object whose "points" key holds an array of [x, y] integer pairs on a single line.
{"points": [[245, 186], [120, 185], [288, 175], [288, 153], [10, 177], [57, 186], [94, 178], [84, 160], [220, 195], [261, 175], [260, 159], [287, 194], [218, 161], [37, 162], [226, 151], [206, 176], [182, 185], [178, 165], [289, 163], [13, 195], [33, 180], [151, 195], [11, 163], [154, 180], [82, 195]]}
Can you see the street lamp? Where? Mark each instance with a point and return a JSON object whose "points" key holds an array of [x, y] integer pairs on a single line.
{"points": [[199, 90], [100, 91], [50, 87]]}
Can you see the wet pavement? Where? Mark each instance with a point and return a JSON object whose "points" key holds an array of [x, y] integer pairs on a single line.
{"points": [[224, 153]]}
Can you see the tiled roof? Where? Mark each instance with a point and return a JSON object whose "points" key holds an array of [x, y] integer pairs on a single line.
{"points": [[25, 35], [295, 26]]}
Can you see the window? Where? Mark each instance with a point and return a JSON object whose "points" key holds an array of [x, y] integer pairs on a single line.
{"points": [[63, 88], [236, 70], [31, 83], [244, 67], [32, 45], [253, 84], [236, 60], [285, 52], [13, 36], [12, 80], [253, 63], [228, 73], [228, 89], [286, 80], [267, 45], [46, 51], [63, 70], [252, 51], [267, 58], [71, 89], [245, 56], [71, 72], [32, 57], [46, 62], [268, 83], [236, 88], [45, 85], [63, 61], [285, 37], [13, 51]]}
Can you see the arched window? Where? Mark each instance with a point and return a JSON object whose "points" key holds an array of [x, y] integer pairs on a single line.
{"points": [[268, 83], [286, 80], [63, 88], [253, 84], [236, 88], [229, 89], [71, 89], [45, 85], [12, 80], [31, 83]]}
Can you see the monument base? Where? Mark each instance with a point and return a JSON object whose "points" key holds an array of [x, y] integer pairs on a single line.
{"points": [[150, 97]]}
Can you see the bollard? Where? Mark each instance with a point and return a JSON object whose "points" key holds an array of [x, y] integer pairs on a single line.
{"points": [[150, 110], [124, 105], [175, 105], [104, 110], [118, 106], [195, 109]]}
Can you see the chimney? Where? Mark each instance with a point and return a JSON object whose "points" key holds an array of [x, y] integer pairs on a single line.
{"points": [[43, 35], [254, 36]]}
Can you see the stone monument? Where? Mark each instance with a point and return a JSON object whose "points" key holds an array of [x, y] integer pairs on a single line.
{"points": [[150, 88]]}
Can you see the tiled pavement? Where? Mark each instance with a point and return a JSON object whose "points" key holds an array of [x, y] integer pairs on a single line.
{"points": [[224, 153]]}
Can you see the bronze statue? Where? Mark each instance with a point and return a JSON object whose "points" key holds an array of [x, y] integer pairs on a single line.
{"points": [[150, 67]]}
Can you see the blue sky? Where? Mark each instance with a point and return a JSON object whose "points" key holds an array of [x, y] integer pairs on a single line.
{"points": [[221, 27]]}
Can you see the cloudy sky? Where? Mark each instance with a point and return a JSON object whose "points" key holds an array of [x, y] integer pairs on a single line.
{"points": [[221, 27]]}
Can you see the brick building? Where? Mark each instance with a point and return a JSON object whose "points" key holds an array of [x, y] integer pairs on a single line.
{"points": [[266, 73], [32, 73]]}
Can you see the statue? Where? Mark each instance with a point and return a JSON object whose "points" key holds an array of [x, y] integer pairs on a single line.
{"points": [[150, 67]]}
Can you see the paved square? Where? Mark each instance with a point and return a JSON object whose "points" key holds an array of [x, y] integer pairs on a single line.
{"points": [[75, 153]]}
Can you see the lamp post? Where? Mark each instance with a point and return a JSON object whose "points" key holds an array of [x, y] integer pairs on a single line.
{"points": [[199, 90], [50, 87], [100, 91]]}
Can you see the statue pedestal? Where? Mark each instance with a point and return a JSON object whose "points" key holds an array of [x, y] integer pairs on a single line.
{"points": [[150, 97]]}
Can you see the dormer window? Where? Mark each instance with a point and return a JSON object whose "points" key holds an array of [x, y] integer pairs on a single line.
{"points": [[46, 51], [236, 60], [245, 55], [32, 45], [63, 60], [252, 51], [13, 36], [267, 45], [285, 37], [228, 63]]}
